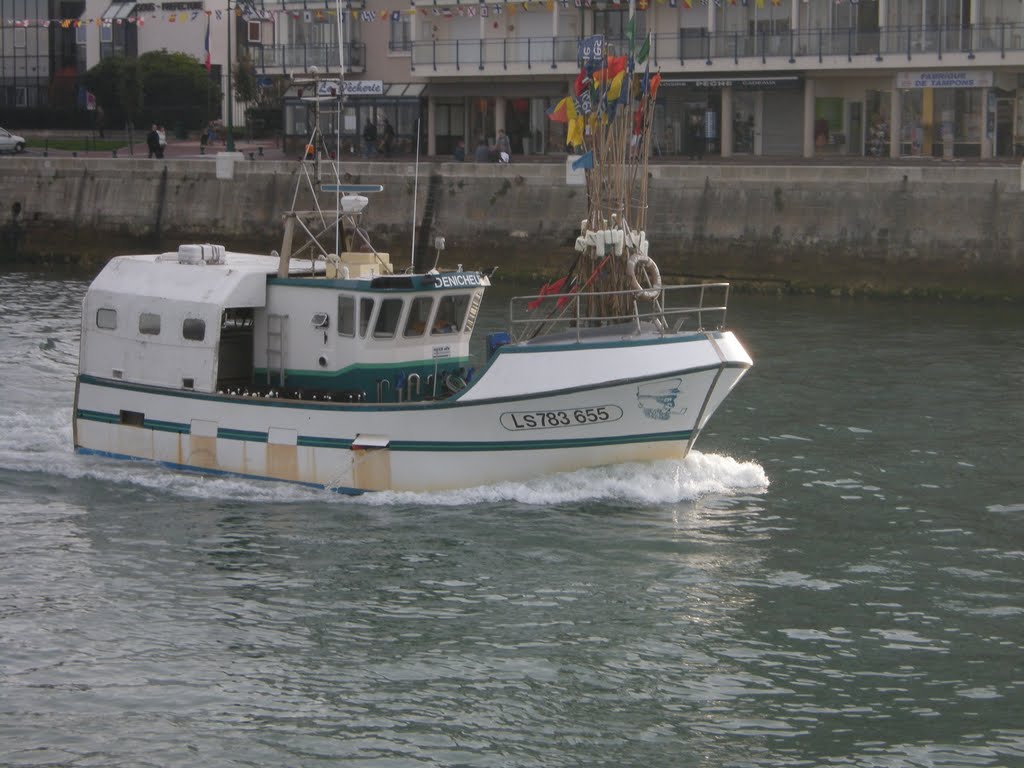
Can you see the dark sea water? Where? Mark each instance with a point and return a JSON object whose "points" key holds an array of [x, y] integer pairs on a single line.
{"points": [[834, 578]]}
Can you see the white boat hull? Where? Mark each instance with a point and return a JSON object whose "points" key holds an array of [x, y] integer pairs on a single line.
{"points": [[606, 403]]}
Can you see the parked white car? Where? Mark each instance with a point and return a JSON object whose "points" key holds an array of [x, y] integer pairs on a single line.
{"points": [[10, 142]]}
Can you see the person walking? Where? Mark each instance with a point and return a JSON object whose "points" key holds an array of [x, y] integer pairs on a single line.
{"points": [[369, 139], [153, 141], [388, 138], [503, 147], [161, 137]]}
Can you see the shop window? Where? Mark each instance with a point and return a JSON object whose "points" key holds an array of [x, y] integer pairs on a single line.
{"points": [[828, 122], [106, 319], [149, 324], [876, 128]]}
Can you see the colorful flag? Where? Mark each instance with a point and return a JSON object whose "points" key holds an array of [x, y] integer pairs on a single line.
{"points": [[645, 50], [585, 162], [207, 61]]}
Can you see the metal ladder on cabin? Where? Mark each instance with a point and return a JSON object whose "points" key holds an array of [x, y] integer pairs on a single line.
{"points": [[276, 325]]}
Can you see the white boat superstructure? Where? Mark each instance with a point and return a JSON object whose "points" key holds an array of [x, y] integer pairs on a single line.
{"points": [[324, 365]]}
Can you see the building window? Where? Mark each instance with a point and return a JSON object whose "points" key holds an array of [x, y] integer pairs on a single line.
{"points": [[106, 319], [193, 329], [106, 34], [21, 96], [149, 324], [19, 37], [255, 32], [401, 36]]}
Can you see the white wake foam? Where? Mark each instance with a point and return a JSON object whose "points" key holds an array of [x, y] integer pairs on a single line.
{"points": [[41, 442]]}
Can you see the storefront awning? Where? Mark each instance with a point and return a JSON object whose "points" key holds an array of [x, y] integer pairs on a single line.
{"points": [[358, 91], [763, 83], [119, 11], [404, 90]]}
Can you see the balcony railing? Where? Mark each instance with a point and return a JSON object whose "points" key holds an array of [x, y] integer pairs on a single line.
{"points": [[930, 44], [269, 59]]}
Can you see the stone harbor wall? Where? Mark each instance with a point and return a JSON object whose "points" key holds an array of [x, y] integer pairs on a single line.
{"points": [[930, 229]]}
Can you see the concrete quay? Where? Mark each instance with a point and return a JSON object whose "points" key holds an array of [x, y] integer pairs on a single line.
{"points": [[845, 226]]}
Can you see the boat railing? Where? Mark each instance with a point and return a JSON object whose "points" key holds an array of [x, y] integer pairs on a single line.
{"points": [[672, 309]]}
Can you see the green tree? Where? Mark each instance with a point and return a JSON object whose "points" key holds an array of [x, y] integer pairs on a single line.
{"points": [[117, 84], [161, 87], [177, 89]]}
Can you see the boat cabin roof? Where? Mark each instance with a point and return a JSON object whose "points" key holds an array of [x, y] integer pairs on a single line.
{"points": [[241, 279]]}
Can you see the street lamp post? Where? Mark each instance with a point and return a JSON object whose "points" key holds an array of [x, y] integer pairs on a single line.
{"points": [[229, 142]]}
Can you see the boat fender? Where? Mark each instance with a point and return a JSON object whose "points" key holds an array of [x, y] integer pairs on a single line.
{"points": [[618, 239], [581, 244], [651, 272], [599, 247]]}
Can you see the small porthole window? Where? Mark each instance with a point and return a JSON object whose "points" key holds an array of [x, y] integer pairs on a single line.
{"points": [[149, 324], [193, 329], [106, 319]]}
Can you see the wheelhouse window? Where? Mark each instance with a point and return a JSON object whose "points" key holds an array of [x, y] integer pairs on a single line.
{"points": [[193, 329], [387, 318], [419, 315], [149, 324], [346, 316], [451, 312], [365, 311], [106, 319]]}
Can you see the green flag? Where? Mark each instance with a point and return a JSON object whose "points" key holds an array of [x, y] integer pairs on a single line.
{"points": [[644, 51], [631, 33]]}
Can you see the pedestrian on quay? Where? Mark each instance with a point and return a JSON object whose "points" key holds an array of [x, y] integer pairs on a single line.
{"points": [[153, 142], [503, 147], [389, 137], [161, 137], [369, 139]]}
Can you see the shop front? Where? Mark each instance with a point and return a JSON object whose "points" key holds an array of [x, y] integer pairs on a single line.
{"points": [[461, 115], [945, 114], [365, 101], [744, 115]]}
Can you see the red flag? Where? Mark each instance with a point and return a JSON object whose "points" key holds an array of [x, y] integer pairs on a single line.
{"points": [[545, 290]]}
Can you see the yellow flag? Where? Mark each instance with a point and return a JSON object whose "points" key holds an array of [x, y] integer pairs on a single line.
{"points": [[574, 136]]}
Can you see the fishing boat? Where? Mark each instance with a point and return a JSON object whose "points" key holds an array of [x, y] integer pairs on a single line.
{"points": [[326, 364]]}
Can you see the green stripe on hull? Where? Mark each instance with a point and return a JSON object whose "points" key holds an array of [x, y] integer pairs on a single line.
{"points": [[432, 446]]}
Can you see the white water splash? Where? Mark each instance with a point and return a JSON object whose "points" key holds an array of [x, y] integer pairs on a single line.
{"points": [[42, 443]]}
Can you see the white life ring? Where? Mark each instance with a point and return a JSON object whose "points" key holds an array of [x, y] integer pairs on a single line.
{"points": [[651, 272]]}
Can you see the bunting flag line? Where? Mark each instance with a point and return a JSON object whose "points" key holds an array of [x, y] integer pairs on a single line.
{"points": [[482, 9]]}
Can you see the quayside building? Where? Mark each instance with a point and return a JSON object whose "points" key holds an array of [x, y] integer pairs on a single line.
{"points": [[874, 78]]}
